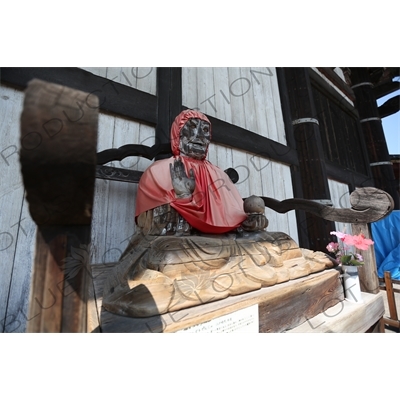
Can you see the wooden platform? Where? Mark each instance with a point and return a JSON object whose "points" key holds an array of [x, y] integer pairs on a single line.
{"points": [[346, 317], [279, 308]]}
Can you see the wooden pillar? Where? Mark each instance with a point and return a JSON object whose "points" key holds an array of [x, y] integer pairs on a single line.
{"points": [[58, 160], [312, 170], [291, 142], [169, 103], [381, 166]]}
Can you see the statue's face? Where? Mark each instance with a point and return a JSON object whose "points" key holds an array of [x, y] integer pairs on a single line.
{"points": [[195, 138]]}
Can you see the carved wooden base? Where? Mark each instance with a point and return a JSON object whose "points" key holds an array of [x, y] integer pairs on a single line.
{"points": [[164, 274], [280, 307]]}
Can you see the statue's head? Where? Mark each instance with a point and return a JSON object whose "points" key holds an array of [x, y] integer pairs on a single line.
{"points": [[191, 134]]}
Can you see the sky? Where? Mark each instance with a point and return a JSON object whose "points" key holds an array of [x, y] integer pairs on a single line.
{"points": [[391, 125]]}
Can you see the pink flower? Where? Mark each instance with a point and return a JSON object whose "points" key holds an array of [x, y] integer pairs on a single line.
{"points": [[358, 257], [359, 241], [332, 247], [340, 235]]}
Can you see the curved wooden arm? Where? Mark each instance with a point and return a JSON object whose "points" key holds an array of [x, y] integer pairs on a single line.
{"points": [[105, 156], [369, 204]]}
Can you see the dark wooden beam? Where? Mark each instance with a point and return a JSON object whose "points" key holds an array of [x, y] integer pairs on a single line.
{"points": [[114, 97], [128, 150], [380, 75], [301, 216], [378, 154], [352, 178], [386, 88], [389, 107], [337, 81], [310, 152], [242, 139], [169, 103], [161, 110]]}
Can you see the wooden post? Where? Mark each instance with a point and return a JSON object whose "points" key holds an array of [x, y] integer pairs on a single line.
{"points": [[58, 164], [381, 166], [390, 295], [291, 142], [363, 199], [313, 174], [368, 274]]}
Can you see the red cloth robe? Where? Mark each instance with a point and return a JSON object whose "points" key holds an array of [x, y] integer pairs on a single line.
{"points": [[215, 206]]}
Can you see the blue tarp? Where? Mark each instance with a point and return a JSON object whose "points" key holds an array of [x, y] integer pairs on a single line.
{"points": [[386, 235]]}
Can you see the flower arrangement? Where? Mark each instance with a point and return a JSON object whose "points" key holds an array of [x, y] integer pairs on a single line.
{"points": [[342, 249]]}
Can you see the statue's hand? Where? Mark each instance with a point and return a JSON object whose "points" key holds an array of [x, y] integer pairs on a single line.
{"points": [[255, 222], [182, 184]]}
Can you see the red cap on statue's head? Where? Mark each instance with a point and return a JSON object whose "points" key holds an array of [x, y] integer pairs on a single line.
{"points": [[178, 124]]}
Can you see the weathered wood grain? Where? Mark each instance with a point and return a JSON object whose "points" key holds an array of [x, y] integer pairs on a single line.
{"points": [[305, 300], [299, 294], [16, 227], [121, 195], [236, 96], [45, 314], [346, 317], [368, 205], [59, 289], [222, 99], [277, 115], [114, 203], [114, 97], [93, 316], [368, 273], [58, 158], [58, 150], [101, 193], [240, 165], [19, 289], [340, 197], [247, 97]]}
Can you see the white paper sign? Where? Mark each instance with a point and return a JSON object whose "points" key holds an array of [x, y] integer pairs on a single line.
{"points": [[241, 321]]}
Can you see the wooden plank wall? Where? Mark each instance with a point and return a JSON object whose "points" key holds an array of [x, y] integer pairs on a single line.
{"points": [[246, 97], [17, 229], [249, 98], [141, 78], [114, 202], [340, 197]]}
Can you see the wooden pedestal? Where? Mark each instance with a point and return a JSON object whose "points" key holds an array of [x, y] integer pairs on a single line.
{"points": [[280, 308]]}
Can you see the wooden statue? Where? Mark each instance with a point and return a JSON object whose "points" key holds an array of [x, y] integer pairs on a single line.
{"points": [[197, 241]]}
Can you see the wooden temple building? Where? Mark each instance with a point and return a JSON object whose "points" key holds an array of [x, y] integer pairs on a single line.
{"points": [[289, 133]]}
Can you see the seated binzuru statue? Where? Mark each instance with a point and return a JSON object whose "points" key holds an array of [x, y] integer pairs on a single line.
{"points": [[196, 240]]}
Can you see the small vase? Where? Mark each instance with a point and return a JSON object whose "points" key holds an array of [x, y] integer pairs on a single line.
{"points": [[351, 283]]}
